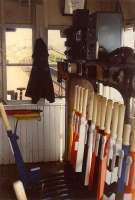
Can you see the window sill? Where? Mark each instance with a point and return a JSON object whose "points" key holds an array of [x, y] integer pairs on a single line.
{"points": [[41, 102], [18, 102]]}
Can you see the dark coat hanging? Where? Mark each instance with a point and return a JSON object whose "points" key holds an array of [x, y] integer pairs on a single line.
{"points": [[40, 83]]}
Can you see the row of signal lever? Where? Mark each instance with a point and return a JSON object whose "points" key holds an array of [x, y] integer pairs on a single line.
{"points": [[102, 146]]}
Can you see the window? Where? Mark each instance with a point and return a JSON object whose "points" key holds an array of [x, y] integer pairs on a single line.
{"points": [[18, 61], [56, 48], [129, 38]]}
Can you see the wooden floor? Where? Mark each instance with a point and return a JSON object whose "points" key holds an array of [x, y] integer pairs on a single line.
{"points": [[60, 183]]}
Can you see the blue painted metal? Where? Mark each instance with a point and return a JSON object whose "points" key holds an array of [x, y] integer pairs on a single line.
{"points": [[27, 177]]}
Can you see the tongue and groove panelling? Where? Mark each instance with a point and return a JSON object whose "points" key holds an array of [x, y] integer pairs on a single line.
{"points": [[39, 141]]}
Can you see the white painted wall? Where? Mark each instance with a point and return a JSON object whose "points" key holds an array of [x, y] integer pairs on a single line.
{"points": [[38, 140]]}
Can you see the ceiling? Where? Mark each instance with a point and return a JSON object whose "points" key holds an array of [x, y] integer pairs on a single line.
{"points": [[127, 6], [29, 2]]}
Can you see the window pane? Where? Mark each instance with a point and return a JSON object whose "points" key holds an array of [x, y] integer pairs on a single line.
{"points": [[17, 77], [19, 46], [55, 46], [129, 38]]}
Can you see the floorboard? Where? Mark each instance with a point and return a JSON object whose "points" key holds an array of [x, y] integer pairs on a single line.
{"points": [[60, 183]]}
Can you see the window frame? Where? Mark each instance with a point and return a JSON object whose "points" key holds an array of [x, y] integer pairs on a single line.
{"points": [[3, 65], [128, 27], [4, 73], [53, 67], [19, 26]]}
